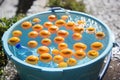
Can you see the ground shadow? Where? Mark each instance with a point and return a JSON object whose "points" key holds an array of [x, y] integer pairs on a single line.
{"points": [[23, 6]]}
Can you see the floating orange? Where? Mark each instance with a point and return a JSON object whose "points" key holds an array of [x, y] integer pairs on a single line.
{"points": [[13, 40], [47, 24], [77, 36], [26, 25], [70, 25], [52, 18], [32, 59], [66, 53], [96, 45], [62, 46], [46, 41], [44, 33], [92, 54], [46, 57], [33, 34], [79, 54], [17, 33], [58, 39], [60, 23], [53, 29], [43, 49], [79, 46], [58, 59], [37, 27], [32, 44], [63, 33]]}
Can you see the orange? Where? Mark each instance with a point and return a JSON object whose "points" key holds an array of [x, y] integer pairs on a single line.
{"points": [[96, 45], [26, 25], [77, 36], [47, 24], [71, 62], [92, 54], [52, 18], [46, 41], [58, 39], [60, 23], [64, 17], [55, 51], [58, 59], [53, 29], [62, 33], [66, 53], [70, 25], [13, 40], [17, 33], [32, 59], [79, 54], [33, 34], [79, 46], [62, 46], [90, 30], [62, 65], [78, 30], [42, 50], [44, 33], [81, 22], [32, 44], [36, 20], [37, 27], [100, 35], [46, 57]]}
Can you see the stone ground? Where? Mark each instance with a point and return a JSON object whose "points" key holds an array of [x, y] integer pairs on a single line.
{"points": [[106, 10], [8, 8], [109, 12]]}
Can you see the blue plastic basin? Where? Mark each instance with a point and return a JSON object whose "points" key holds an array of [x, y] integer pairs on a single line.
{"points": [[87, 71]]}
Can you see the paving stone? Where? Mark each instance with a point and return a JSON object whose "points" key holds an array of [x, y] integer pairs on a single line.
{"points": [[8, 9], [109, 12], [38, 6]]}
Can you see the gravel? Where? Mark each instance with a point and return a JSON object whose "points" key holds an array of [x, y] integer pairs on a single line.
{"points": [[10, 72]]}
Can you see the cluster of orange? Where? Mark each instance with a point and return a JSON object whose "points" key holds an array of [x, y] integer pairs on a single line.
{"points": [[63, 51]]}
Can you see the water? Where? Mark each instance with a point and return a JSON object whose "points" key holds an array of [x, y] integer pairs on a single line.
{"points": [[49, 65], [89, 22], [68, 14], [22, 52]]}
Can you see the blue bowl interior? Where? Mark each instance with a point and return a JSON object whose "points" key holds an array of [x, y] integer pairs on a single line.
{"points": [[86, 39]]}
